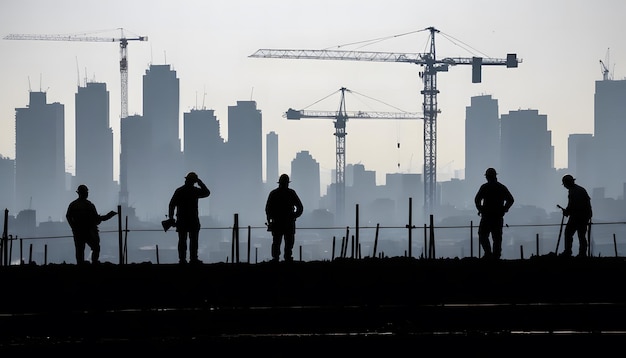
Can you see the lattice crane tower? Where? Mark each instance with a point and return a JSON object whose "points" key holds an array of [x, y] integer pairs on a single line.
{"points": [[341, 117], [432, 66]]}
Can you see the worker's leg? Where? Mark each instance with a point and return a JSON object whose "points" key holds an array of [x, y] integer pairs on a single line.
{"points": [[289, 241], [483, 238], [79, 245], [193, 245], [277, 238], [182, 247], [582, 239], [496, 236], [568, 238], [94, 245]]}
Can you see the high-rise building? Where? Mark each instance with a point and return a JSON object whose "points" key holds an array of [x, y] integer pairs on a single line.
{"points": [[204, 151], [526, 159], [40, 158], [404, 188], [161, 106], [482, 141], [161, 109], [361, 189], [271, 158], [305, 179], [7, 183], [135, 150], [580, 158], [609, 129], [94, 144], [245, 166]]}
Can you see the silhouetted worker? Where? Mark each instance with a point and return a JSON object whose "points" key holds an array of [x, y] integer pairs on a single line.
{"points": [[282, 209], [84, 219], [185, 203], [579, 212], [493, 200]]}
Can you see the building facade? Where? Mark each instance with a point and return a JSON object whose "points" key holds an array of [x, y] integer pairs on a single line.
{"points": [[305, 180], [94, 144], [482, 142], [204, 151], [609, 129], [527, 159], [40, 158]]}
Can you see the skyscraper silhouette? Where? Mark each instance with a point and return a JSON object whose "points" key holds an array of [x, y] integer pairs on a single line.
{"points": [[609, 129], [40, 158], [305, 177], [135, 166], [94, 144], [527, 158], [204, 151], [482, 140], [580, 157], [245, 162], [271, 159], [161, 109], [7, 183]]}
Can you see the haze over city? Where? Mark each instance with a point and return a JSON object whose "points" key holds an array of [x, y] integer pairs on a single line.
{"points": [[375, 261], [209, 44], [201, 63]]}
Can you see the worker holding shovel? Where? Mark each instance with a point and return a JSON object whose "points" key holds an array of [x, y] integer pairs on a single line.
{"points": [[579, 212]]}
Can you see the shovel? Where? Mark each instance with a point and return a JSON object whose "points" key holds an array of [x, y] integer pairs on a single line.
{"points": [[560, 229]]}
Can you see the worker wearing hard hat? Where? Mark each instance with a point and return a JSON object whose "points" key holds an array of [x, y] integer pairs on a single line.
{"points": [[184, 203], [84, 219], [579, 212], [493, 200], [282, 208]]}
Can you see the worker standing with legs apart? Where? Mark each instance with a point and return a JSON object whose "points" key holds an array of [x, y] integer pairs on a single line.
{"points": [[84, 219], [282, 208], [185, 203], [579, 212], [493, 200]]}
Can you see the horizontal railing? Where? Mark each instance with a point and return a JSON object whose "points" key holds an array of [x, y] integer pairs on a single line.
{"points": [[252, 244]]}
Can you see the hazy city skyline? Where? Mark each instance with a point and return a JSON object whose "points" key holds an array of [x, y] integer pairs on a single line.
{"points": [[208, 45]]}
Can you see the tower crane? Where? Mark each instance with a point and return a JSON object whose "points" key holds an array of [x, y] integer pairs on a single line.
{"points": [[432, 65], [606, 73], [123, 40], [341, 117]]}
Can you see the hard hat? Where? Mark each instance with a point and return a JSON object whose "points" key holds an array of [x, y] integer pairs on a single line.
{"points": [[192, 176], [284, 178], [490, 172], [567, 178], [82, 189]]}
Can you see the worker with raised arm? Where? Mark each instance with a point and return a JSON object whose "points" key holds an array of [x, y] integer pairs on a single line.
{"points": [[184, 203]]}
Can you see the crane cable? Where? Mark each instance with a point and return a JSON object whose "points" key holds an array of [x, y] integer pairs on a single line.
{"points": [[373, 41]]}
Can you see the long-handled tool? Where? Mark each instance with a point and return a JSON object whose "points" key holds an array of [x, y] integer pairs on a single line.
{"points": [[589, 239], [556, 251]]}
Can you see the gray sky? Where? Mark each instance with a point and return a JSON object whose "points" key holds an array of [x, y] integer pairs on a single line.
{"points": [[208, 43]]}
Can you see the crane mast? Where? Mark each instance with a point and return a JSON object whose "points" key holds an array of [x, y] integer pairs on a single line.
{"points": [[341, 117], [432, 66], [430, 125]]}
